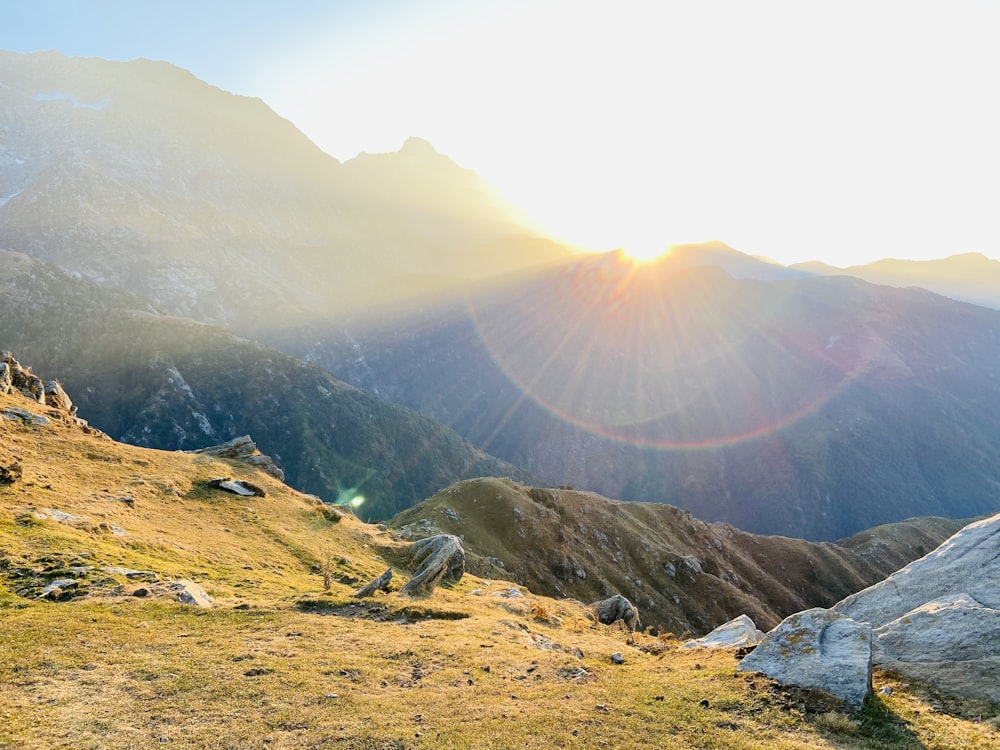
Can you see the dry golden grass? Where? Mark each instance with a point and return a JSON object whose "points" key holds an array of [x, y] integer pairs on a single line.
{"points": [[279, 662]]}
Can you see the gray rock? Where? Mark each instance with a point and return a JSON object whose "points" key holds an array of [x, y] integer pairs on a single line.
{"points": [[615, 608], [23, 415], [189, 592], [133, 575], [818, 649], [968, 562], [952, 644], [245, 450], [737, 633], [238, 487]]}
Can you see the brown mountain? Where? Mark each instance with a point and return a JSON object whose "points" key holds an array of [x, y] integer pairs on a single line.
{"points": [[685, 575]]}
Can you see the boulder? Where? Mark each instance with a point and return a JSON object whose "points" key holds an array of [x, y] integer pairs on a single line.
{"points": [[237, 487], [739, 632], [57, 398], [435, 558], [818, 649], [245, 450], [937, 620], [968, 562], [952, 644], [189, 592], [611, 610]]}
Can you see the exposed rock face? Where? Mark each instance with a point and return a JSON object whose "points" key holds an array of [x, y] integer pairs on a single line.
{"points": [[818, 649], [952, 644], [244, 449], [436, 557], [968, 562], [737, 633], [938, 619], [15, 377]]}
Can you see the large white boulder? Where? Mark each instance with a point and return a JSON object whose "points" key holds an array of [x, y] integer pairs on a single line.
{"points": [[737, 633], [968, 562], [952, 644], [818, 649]]}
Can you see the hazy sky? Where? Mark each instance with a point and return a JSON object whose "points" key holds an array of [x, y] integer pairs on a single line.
{"points": [[844, 131]]}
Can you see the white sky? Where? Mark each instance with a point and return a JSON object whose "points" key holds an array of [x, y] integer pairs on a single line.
{"points": [[842, 131]]}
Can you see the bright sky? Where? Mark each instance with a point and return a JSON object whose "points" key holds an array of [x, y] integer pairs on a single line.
{"points": [[843, 131]]}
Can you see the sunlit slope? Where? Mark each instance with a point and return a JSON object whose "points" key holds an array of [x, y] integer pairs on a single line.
{"points": [[175, 384], [810, 407]]}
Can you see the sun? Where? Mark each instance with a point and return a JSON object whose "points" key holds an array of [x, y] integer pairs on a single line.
{"points": [[646, 252]]}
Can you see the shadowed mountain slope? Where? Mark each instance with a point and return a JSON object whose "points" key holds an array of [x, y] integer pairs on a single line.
{"points": [[685, 575], [811, 407], [175, 384]]}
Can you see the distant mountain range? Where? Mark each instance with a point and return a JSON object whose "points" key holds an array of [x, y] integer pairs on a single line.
{"points": [[971, 277]]}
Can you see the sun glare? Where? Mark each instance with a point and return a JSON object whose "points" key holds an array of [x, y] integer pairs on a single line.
{"points": [[646, 253]]}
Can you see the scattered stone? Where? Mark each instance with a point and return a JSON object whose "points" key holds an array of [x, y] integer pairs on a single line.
{"points": [[189, 592], [61, 517], [617, 658], [238, 487], [818, 649], [615, 608], [737, 633], [141, 592], [54, 587], [244, 449], [23, 415], [509, 593], [379, 584], [436, 557]]}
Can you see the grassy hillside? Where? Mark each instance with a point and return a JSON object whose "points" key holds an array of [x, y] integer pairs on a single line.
{"points": [[280, 662], [685, 575]]}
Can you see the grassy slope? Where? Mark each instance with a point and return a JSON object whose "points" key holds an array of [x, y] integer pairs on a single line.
{"points": [[280, 663]]}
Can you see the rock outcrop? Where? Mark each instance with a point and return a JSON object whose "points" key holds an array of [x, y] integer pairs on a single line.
{"points": [[615, 608], [739, 632], [818, 649], [244, 449], [937, 620], [435, 558]]}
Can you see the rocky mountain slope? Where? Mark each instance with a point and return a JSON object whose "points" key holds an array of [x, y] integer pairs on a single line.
{"points": [[685, 575], [172, 384], [810, 407], [137, 175]]}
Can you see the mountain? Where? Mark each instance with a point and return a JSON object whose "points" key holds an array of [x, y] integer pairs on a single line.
{"points": [[971, 277], [811, 407], [685, 575], [99, 541], [172, 384], [736, 264], [208, 205]]}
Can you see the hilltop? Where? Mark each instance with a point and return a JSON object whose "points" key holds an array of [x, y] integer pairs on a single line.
{"points": [[112, 660]]}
